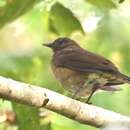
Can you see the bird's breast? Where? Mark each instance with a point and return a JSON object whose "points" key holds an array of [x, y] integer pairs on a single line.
{"points": [[70, 79]]}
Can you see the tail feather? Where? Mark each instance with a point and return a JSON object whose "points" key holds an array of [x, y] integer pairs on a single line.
{"points": [[111, 88], [126, 78]]}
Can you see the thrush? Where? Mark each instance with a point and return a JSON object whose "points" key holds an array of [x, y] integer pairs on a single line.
{"points": [[82, 72]]}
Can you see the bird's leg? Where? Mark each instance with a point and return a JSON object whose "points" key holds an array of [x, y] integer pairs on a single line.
{"points": [[80, 89], [76, 92], [83, 87], [93, 90]]}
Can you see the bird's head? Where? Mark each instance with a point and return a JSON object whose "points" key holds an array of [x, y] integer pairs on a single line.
{"points": [[61, 43]]}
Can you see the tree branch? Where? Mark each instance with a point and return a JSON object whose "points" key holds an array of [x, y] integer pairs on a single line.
{"points": [[41, 97]]}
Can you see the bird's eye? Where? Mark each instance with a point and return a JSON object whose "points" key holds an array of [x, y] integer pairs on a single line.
{"points": [[61, 42]]}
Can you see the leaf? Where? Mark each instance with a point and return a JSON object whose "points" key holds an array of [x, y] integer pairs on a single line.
{"points": [[63, 21], [103, 4], [121, 1], [13, 9]]}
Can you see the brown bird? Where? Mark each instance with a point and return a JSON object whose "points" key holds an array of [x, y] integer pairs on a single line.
{"points": [[83, 72]]}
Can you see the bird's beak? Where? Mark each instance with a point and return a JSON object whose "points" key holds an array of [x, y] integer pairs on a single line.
{"points": [[50, 45]]}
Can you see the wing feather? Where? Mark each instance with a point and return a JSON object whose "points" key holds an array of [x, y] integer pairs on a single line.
{"points": [[84, 61]]}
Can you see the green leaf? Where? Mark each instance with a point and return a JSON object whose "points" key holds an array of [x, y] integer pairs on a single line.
{"points": [[13, 9], [63, 21], [121, 1], [103, 4]]}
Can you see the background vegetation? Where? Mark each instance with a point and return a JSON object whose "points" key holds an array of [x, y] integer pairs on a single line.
{"points": [[100, 26]]}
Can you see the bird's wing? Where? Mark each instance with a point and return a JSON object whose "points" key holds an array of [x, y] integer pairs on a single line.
{"points": [[84, 61]]}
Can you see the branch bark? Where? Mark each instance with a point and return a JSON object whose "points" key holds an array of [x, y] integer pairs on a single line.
{"points": [[41, 97]]}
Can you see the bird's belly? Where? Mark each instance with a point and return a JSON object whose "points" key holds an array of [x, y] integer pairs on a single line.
{"points": [[68, 78], [74, 81]]}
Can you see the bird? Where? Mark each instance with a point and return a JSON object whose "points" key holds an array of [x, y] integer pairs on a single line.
{"points": [[82, 72]]}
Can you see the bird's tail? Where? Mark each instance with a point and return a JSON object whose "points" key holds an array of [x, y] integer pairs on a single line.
{"points": [[126, 78]]}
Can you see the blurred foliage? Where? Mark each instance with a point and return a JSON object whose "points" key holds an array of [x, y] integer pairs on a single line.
{"points": [[11, 9], [121, 1], [103, 4], [99, 26], [59, 16]]}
